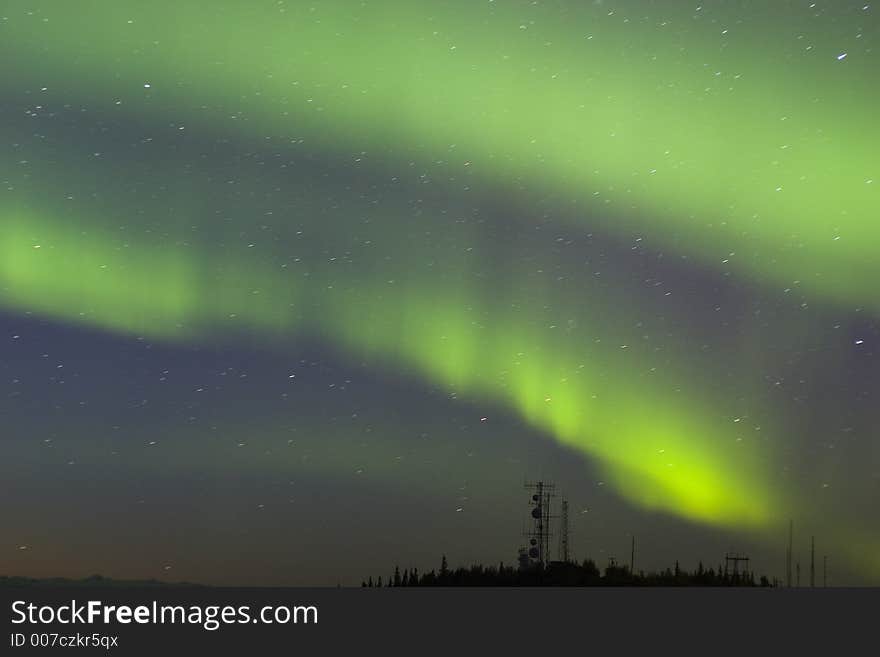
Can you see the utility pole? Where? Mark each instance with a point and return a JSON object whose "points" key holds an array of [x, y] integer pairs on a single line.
{"points": [[736, 559]]}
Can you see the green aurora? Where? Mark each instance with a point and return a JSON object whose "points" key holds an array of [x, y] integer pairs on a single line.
{"points": [[697, 131], [618, 110]]}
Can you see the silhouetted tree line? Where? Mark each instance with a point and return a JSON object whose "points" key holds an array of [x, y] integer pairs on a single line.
{"points": [[558, 573]]}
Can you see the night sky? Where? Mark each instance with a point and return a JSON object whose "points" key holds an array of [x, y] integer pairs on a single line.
{"points": [[293, 292]]}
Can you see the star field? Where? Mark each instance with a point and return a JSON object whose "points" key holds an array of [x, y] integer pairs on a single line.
{"points": [[289, 292]]}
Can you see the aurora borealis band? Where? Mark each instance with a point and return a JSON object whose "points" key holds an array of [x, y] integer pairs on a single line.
{"points": [[259, 259]]}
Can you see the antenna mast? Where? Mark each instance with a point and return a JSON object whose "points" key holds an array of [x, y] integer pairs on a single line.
{"points": [[788, 555], [812, 561], [563, 533], [540, 534]]}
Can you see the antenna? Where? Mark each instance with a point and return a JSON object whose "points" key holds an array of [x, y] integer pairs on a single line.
{"points": [[812, 562], [563, 533], [540, 534], [799, 574], [788, 555]]}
